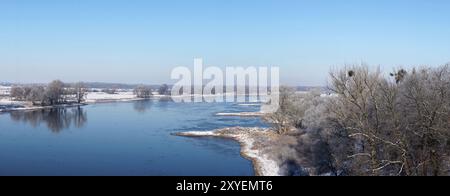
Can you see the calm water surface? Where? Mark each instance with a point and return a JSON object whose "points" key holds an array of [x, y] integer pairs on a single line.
{"points": [[122, 139]]}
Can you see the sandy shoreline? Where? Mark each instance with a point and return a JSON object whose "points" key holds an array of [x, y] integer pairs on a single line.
{"points": [[250, 149]]}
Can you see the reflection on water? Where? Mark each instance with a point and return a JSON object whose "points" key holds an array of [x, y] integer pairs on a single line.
{"points": [[56, 119], [142, 106]]}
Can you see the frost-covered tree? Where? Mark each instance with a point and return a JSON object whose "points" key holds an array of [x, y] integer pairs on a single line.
{"points": [[397, 126], [294, 106], [37, 95], [55, 92], [17, 93], [164, 90], [79, 90], [371, 124], [143, 91]]}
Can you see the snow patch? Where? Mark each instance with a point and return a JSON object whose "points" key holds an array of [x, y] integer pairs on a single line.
{"points": [[94, 97], [264, 165]]}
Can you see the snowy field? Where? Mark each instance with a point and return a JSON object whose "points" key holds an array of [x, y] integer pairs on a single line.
{"points": [[7, 104], [5, 90], [96, 97]]}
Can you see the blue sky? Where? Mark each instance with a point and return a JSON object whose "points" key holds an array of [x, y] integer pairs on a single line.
{"points": [[140, 41]]}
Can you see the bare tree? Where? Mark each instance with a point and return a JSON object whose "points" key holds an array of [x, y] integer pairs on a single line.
{"points": [[143, 91], [357, 110], [17, 93], [54, 92], [425, 101], [396, 127], [20, 93], [281, 119], [80, 91], [37, 95], [163, 89], [292, 111]]}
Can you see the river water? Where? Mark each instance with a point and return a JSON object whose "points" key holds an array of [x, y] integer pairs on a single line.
{"points": [[129, 138]]}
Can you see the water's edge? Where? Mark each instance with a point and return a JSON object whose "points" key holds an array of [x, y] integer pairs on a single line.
{"points": [[246, 137]]}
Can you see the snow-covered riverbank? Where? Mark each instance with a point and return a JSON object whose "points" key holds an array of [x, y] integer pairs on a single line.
{"points": [[101, 97], [27, 107], [252, 146], [8, 105]]}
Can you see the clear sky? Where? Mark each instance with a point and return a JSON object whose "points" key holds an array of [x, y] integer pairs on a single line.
{"points": [[140, 41]]}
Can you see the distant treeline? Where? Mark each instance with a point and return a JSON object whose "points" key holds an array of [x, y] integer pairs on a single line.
{"points": [[56, 92], [99, 85], [105, 85]]}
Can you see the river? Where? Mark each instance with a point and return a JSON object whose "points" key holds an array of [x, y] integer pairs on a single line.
{"points": [[125, 139]]}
